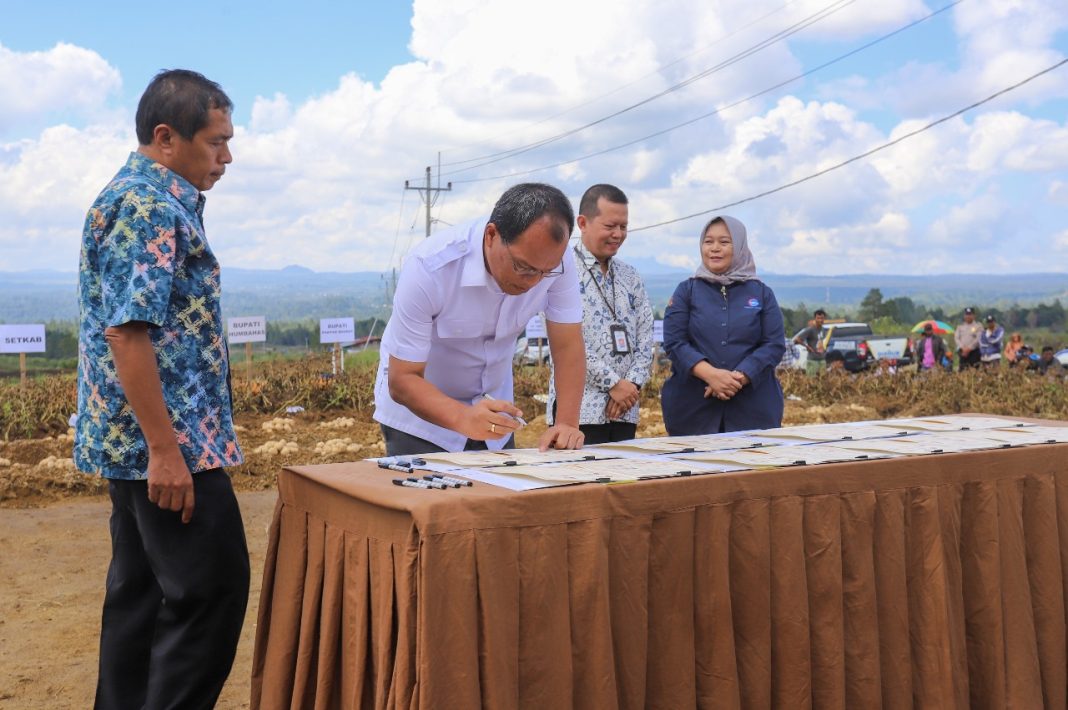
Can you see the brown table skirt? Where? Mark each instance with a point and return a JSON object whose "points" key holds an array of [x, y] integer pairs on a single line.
{"points": [[928, 582]]}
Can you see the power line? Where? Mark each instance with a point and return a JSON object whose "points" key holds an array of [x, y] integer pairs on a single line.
{"points": [[863, 155], [396, 236], [760, 46], [774, 39], [629, 84], [431, 195], [411, 232], [721, 109]]}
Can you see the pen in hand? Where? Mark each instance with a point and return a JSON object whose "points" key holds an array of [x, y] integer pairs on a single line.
{"points": [[522, 422]]}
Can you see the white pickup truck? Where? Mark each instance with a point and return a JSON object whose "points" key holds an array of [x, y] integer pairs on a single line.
{"points": [[850, 338], [858, 344]]}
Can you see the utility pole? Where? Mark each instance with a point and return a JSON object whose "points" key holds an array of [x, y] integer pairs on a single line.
{"points": [[429, 194]]}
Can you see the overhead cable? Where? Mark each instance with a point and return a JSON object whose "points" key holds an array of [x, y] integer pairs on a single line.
{"points": [[616, 90], [721, 109], [863, 155], [764, 44]]}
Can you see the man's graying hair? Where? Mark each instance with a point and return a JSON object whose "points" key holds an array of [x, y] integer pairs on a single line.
{"points": [[180, 99], [523, 204]]}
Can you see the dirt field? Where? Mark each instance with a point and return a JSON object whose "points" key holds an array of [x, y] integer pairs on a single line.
{"points": [[56, 547], [53, 567]]}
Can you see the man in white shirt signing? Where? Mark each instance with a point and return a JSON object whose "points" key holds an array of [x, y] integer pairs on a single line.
{"points": [[464, 295]]}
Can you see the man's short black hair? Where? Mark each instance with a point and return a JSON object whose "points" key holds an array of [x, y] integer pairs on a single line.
{"points": [[819, 312], [588, 204], [835, 355], [522, 205], [1047, 348], [181, 99]]}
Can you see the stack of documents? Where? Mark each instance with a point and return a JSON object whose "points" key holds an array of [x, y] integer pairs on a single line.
{"points": [[682, 456]]}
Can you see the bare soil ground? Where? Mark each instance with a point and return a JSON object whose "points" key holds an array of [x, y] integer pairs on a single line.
{"points": [[53, 565], [56, 548]]}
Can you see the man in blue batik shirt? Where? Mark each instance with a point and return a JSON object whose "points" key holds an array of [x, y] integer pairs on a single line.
{"points": [[154, 408]]}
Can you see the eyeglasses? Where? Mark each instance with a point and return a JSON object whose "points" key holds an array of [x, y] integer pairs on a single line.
{"points": [[529, 271]]}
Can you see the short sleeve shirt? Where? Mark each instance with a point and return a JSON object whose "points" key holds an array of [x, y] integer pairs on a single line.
{"points": [[450, 313], [810, 336], [145, 258]]}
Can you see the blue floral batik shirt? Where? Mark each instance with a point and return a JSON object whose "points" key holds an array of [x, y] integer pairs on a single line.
{"points": [[145, 258]]}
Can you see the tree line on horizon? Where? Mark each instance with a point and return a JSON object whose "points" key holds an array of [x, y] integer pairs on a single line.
{"points": [[894, 316]]}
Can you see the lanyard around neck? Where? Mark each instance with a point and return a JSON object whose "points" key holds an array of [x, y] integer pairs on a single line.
{"points": [[611, 306]]}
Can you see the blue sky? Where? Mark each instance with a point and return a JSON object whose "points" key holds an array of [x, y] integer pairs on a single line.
{"points": [[253, 49], [338, 103]]}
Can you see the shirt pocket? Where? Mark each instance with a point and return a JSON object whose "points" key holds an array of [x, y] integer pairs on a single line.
{"points": [[458, 328]]}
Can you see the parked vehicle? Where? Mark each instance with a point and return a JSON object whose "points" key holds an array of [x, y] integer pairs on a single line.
{"points": [[850, 338], [854, 346], [895, 351]]}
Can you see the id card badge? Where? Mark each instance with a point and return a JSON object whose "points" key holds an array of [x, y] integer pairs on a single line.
{"points": [[620, 341]]}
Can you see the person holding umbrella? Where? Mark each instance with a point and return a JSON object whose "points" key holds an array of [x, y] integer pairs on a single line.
{"points": [[930, 349]]}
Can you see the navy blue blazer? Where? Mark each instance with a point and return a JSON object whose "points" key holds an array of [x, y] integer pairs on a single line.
{"points": [[737, 328]]}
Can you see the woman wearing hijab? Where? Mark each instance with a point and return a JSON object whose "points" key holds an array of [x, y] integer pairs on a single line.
{"points": [[723, 331]]}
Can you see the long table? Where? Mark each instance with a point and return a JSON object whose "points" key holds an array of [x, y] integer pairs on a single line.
{"points": [[927, 582]]}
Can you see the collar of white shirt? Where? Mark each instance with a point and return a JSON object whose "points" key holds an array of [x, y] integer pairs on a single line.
{"points": [[474, 269]]}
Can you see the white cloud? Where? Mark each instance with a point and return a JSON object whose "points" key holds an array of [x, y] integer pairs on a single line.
{"points": [[1000, 42], [1060, 241], [1058, 192], [270, 114], [64, 78], [859, 18], [973, 225], [682, 261], [792, 141], [319, 182], [46, 192]]}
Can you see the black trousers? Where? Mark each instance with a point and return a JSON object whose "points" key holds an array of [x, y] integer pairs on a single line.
{"points": [[401, 443], [969, 360], [606, 433], [175, 600]]}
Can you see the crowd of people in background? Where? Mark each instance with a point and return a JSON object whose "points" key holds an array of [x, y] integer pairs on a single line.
{"points": [[978, 345]]}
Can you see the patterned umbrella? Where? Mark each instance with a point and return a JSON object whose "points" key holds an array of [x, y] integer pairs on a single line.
{"points": [[940, 327]]}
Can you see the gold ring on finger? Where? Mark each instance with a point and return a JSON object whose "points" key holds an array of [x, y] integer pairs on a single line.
{"points": [[493, 428]]}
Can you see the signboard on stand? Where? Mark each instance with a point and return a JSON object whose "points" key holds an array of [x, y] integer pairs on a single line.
{"points": [[22, 338], [247, 330], [337, 331], [536, 327]]}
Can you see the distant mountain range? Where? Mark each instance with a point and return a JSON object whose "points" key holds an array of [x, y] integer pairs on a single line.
{"points": [[297, 293]]}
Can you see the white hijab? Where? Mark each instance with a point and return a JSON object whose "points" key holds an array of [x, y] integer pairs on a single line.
{"points": [[742, 267]]}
